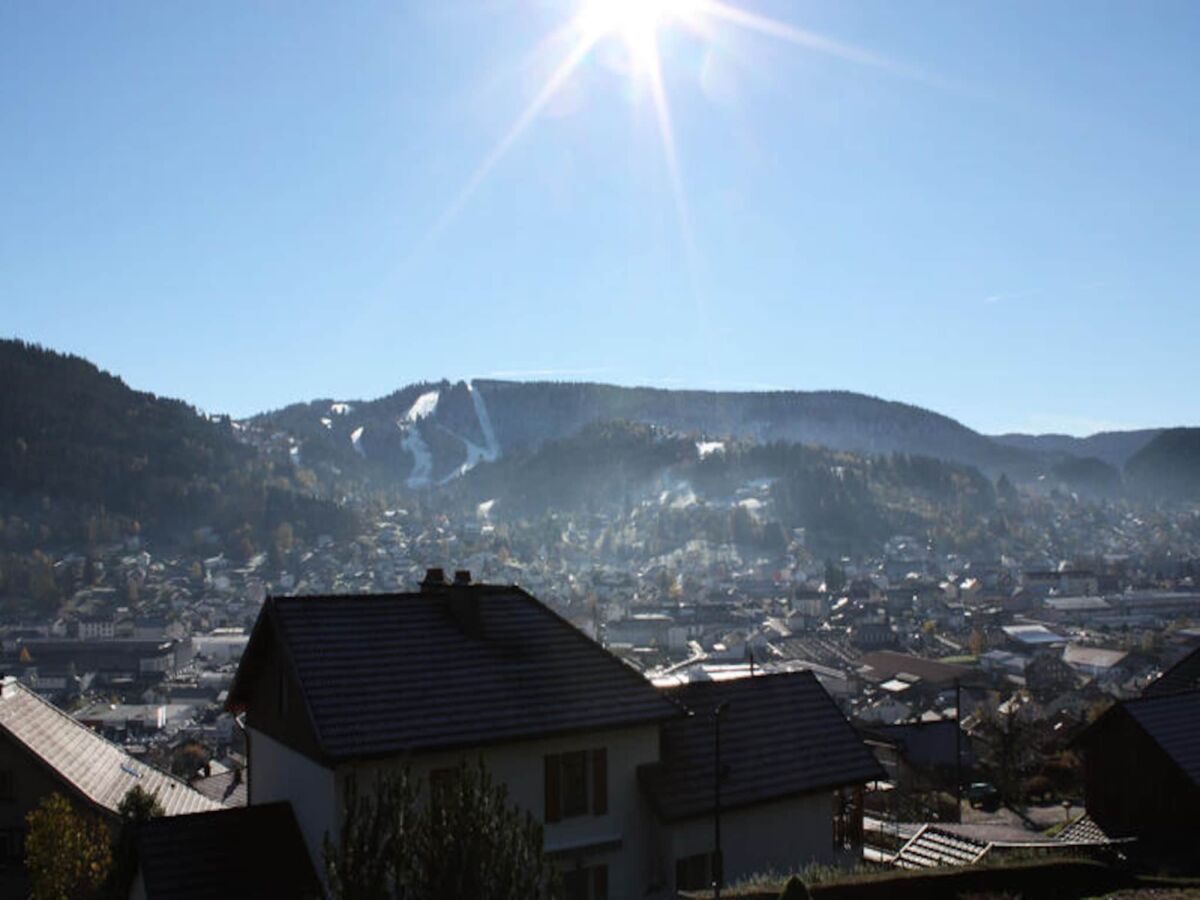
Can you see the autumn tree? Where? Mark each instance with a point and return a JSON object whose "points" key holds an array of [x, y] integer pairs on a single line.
{"points": [[137, 807], [68, 853]]}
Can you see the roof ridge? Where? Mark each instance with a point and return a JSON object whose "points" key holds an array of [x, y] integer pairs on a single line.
{"points": [[579, 635], [1150, 698]]}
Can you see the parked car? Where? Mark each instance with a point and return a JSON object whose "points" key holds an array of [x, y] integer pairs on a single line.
{"points": [[983, 795]]}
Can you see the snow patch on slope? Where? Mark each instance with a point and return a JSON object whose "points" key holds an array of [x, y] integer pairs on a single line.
{"points": [[356, 440], [422, 459], [425, 405], [490, 452], [340, 409], [708, 448], [485, 423]]}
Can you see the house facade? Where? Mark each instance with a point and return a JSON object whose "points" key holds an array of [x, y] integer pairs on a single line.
{"points": [[1142, 768], [791, 772], [344, 689]]}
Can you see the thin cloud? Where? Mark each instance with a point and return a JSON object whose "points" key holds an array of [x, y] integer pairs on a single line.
{"points": [[546, 373], [1013, 295]]}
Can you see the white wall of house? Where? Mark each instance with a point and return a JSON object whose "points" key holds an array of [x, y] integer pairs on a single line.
{"points": [[278, 772], [520, 766], [781, 836]]}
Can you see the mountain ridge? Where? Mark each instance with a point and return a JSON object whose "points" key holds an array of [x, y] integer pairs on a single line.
{"points": [[392, 441]]}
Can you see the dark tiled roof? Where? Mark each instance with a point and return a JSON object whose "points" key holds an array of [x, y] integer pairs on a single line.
{"points": [[391, 673], [250, 852], [1183, 676], [1173, 722], [781, 735]]}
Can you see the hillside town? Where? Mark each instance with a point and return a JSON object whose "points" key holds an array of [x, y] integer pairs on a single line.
{"points": [[973, 684]]}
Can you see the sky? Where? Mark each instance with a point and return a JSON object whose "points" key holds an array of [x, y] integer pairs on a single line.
{"points": [[990, 209]]}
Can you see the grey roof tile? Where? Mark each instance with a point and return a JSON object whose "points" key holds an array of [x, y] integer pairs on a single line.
{"points": [[99, 770]]}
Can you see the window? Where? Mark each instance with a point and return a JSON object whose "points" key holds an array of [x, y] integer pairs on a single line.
{"points": [[576, 784], [586, 883]]}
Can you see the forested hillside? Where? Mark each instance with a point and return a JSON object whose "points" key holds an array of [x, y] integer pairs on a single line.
{"points": [[84, 458]]}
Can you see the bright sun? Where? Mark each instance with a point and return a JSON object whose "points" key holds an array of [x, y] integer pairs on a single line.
{"points": [[635, 21], [637, 24]]}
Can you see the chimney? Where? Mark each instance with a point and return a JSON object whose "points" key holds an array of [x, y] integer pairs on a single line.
{"points": [[464, 604], [8, 686], [434, 580]]}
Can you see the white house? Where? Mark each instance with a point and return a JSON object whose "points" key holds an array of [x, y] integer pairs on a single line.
{"points": [[335, 688], [792, 776]]}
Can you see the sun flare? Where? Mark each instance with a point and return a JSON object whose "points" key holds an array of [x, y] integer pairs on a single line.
{"points": [[636, 22]]}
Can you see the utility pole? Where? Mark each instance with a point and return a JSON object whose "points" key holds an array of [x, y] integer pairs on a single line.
{"points": [[958, 748], [718, 863]]}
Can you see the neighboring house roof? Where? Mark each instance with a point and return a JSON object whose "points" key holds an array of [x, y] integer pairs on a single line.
{"points": [[1173, 722], [932, 743], [1183, 676], [450, 666], [226, 788], [98, 770], [250, 852], [1084, 830], [781, 736]]}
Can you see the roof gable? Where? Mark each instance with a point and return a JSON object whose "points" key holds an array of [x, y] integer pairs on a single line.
{"points": [[462, 666], [781, 735]]}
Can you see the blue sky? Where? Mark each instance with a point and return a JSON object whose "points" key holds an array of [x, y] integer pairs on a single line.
{"points": [[988, 209]]}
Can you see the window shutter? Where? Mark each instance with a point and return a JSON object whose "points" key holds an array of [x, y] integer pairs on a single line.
{"points": [[553, 788], [600, 781], [600, 880]]}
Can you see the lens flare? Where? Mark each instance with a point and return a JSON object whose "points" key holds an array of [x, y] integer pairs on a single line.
{"points": [[638, 24]]}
